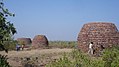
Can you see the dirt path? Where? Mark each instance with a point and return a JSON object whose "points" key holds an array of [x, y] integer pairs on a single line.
{"points": [[43, 54]]}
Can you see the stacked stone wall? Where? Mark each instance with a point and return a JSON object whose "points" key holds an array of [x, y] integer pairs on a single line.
{"points": [[24, 41], [40, 41], [102, 34]]}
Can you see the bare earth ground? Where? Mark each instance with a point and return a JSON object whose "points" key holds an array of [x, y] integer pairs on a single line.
{"points": [[43, 56]]}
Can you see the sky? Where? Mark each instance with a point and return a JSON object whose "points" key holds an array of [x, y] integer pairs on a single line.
{"points": [[59, 19]]}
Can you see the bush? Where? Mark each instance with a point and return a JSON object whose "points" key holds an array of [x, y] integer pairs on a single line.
{"points": [[3, 61], [111, 57], [10, 45]]}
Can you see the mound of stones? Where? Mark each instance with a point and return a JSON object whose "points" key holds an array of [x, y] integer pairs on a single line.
{"points": [[40, 41], [24, 41], [102, 34]]}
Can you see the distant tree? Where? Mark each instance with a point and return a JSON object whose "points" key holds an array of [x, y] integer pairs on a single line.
{"points": [[7, 29]]}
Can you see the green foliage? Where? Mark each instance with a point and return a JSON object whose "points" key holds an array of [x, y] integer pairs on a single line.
{"points": [[76, 59], [6, 28], [62, 44], [111, 57], [84, 60], [10, 45], [6, 31], [3, 61], [62, 62]]}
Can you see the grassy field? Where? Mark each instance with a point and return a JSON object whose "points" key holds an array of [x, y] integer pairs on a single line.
{"points": [[39, 57], [62, 54]]}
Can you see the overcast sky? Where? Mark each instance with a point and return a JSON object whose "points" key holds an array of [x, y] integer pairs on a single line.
{"points": [[59, 19]]}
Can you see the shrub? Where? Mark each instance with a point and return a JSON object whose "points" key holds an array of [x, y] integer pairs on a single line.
{"points": [[10, 45], [76, 59], [3, 61], [111, 57]]}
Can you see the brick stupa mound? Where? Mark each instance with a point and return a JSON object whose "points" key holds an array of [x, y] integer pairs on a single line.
{"points": [[24, 41], [40, 41], [102, 34]]}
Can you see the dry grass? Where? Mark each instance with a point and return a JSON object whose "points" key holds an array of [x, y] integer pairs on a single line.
{"points": [[44, 55]]}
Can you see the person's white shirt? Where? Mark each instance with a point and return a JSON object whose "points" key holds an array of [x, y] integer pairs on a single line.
{"points": [[90, 46]]}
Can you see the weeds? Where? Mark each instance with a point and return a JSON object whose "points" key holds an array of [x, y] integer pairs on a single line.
{"points": [[109, 58]]}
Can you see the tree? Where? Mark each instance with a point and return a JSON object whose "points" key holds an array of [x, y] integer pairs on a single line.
{"points": [[7, 29]]}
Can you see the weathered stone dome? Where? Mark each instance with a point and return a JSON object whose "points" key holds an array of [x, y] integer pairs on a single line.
{"points": [[102, 34], [24, 41], [40, 41]]}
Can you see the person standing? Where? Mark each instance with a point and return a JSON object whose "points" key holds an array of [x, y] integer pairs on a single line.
{"points": [[17, 47], [22, 47], [90, 48]]}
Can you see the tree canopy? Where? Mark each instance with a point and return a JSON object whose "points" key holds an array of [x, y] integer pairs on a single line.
{"points": [[7, 29]]}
